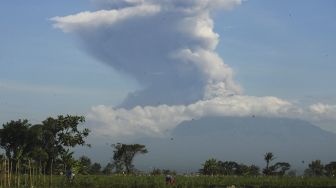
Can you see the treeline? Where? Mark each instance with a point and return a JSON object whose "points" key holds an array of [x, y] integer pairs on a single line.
{"points": [[316, 168], [217, 167], [84, 166], [44, 147]]}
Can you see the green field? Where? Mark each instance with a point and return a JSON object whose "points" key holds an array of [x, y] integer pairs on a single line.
{"points": [[181, 181]]}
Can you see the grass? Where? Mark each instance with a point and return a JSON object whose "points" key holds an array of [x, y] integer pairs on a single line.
{"points": [[193, 181], [119, 181]]}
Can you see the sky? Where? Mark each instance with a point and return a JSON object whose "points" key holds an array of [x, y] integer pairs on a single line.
{"points": [[129, 71]]}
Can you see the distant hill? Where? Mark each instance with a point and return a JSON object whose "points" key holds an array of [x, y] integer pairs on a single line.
{"points": [[243, 140]]}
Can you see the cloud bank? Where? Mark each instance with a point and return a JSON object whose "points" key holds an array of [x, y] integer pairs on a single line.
{"points": [[159, 120], [168, 46]]}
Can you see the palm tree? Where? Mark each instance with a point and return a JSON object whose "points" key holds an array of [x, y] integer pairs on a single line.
{"points": [[268, 157]]}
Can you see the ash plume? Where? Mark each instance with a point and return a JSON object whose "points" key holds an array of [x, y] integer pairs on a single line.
{"points": [[168, 47]]}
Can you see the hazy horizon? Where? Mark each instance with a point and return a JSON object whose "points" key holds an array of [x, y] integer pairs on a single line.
{"points": [[137, 69]]}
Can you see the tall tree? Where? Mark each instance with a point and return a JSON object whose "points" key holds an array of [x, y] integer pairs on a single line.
{"points": [[36, 151], [124, 154], [268, 157], [16, 139], [61, 133], [210, 167], [316, 168]]}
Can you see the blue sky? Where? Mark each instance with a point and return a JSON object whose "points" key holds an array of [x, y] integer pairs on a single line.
{"points": [[282, 48], [44, 70], [276, 48]]}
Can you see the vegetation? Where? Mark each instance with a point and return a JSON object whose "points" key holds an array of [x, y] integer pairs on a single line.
{"points": [[124, 154], [40, 155], [42, 148], [199, 181]]}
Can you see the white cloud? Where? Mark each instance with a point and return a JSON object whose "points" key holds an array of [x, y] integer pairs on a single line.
{"points": [[159, 120], [92, 20], [323, 111]]}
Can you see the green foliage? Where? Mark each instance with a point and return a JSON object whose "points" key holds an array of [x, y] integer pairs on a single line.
{"points": [[210, 167], [130, 181], [47, 143], [85, 165], [123, 155], [330, 169], [67, 159], [242, 170], [59, 133], [280, 168], [315, 168], [227, 168], [95, 168], [254, 170], [15, 138], [268, 157]]}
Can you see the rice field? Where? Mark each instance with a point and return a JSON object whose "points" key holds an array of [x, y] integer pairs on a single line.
{"points": [[116, 181], [35, 176]]}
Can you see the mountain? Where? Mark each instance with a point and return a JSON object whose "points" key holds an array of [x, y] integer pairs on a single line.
{"points": [[243, 140]]}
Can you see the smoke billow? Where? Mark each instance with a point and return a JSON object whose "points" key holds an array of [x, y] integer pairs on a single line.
{"points": [[168, 46]]}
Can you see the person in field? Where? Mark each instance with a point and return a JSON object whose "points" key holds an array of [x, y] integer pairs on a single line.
{"points": [[170, 180], [70, 175]]}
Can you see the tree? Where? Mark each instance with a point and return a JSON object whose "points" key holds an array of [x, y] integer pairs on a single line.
{"points": [[315, 168], [254, 170], [242, 170], [124, 154], [268, 157], [330, 169], [60, 133], [84, 165], [227, 167], [95, 168], [16, 139], [210, 167], [36, 151], [279, 168]]}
